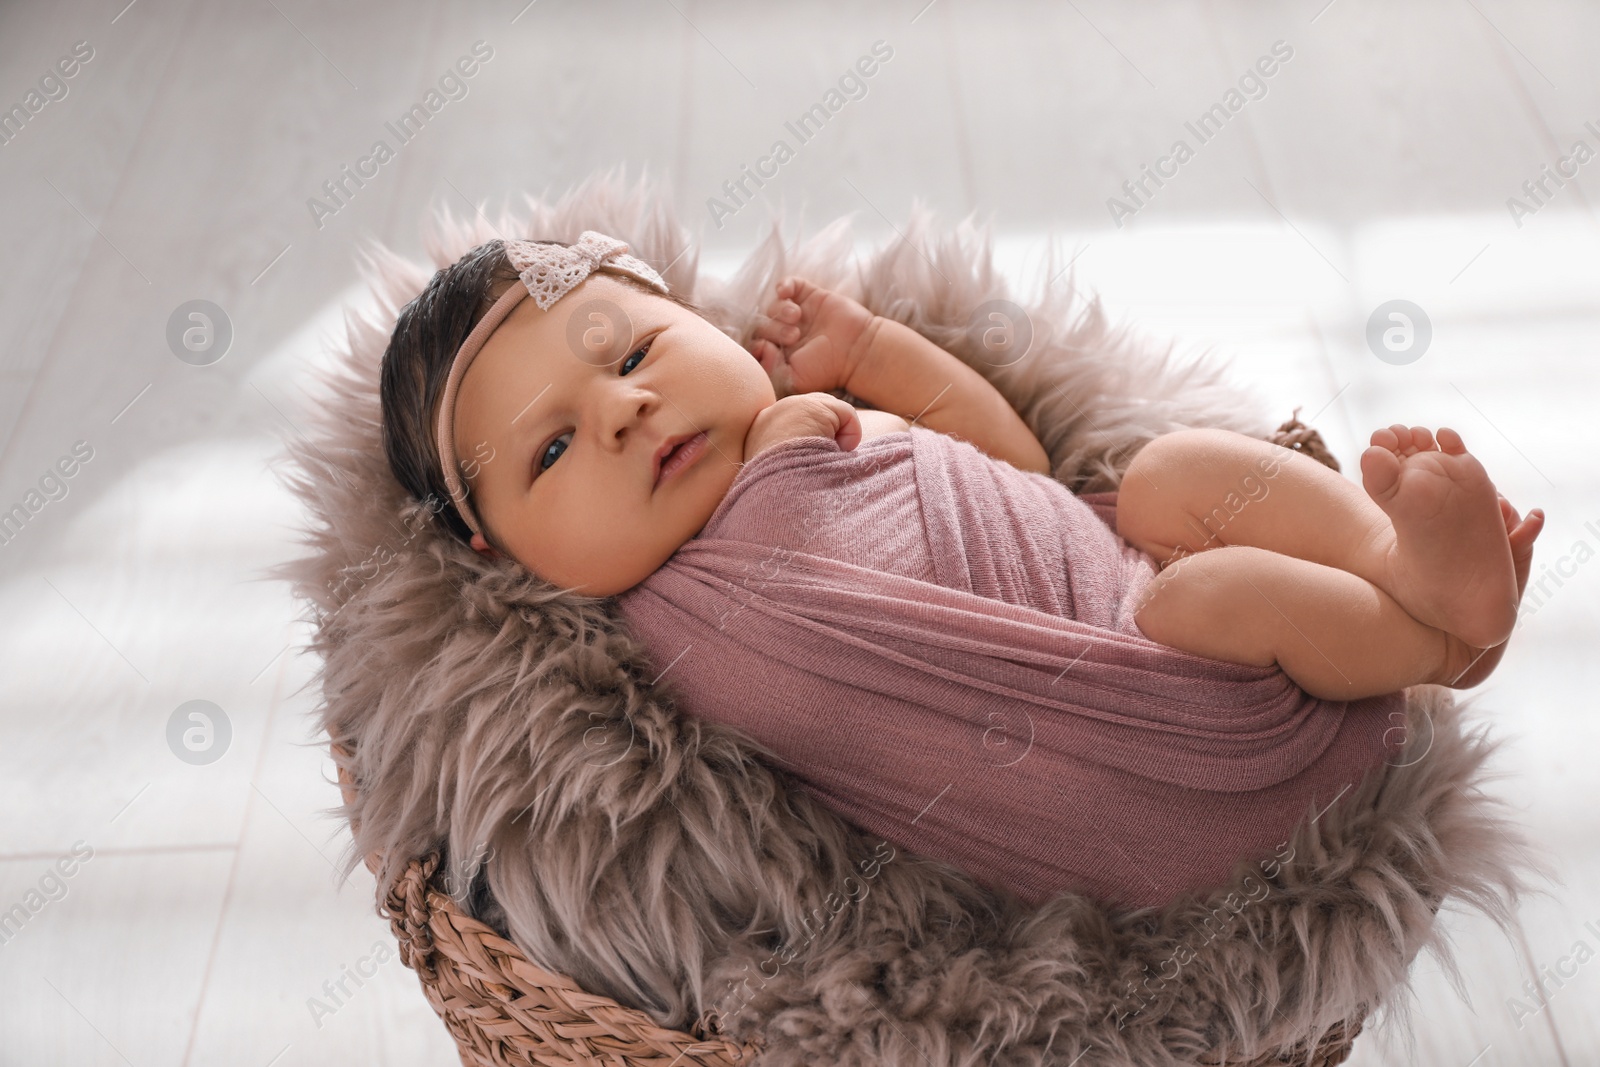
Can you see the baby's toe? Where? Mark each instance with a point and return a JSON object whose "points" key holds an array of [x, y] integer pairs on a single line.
{"points": [[1385, 438], [1380, 473], [1402, 436], [1451, 442], [1527, 531], [1422, 438], [1508, 513]]}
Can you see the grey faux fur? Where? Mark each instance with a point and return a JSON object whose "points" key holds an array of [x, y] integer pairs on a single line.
{"points": [[659, 861]]}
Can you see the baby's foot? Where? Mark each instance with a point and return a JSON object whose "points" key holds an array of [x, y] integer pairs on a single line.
{"points": [[1450, 564], [1466, 666]]}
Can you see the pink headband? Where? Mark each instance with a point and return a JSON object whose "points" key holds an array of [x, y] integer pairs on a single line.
{"points": [[549, 272]]}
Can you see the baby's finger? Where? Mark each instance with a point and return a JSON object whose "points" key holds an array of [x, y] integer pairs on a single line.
{"points": [[782, 335], [800, 290], [776, 367], [848, 434], [776, 306], [780, 293], [772, 330]]}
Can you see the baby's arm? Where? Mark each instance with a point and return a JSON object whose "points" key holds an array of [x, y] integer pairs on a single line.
{"points": [[817, 340], [901, 371]]}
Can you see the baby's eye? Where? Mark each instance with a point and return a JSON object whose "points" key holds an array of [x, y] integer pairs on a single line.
{"points": [[639, 354], [552, 452]]}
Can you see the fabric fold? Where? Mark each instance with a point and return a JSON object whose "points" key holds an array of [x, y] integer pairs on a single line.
{"points": [[941, 648]]}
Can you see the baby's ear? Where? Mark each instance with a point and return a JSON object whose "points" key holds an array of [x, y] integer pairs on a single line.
{"points": [[484, 548]]}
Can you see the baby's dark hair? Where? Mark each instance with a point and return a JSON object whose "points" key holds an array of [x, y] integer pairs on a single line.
{"points": [[427, 335]]}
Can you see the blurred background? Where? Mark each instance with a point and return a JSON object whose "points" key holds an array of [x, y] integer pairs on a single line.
{"points": [[1381, 216]]}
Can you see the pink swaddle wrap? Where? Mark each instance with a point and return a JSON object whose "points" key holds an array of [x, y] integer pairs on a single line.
{"points": [[940, 647]]}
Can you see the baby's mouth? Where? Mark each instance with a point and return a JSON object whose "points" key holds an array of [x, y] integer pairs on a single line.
{"points": [[681, 455]]}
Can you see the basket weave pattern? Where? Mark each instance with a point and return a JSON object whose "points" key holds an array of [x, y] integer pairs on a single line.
{"points": [[503, 1009]]}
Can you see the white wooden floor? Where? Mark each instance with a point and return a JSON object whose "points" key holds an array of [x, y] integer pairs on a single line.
{"points": [[1376, 166]]}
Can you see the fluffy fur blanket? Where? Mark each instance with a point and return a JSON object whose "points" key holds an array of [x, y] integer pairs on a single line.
{"points": [[658, 860]]}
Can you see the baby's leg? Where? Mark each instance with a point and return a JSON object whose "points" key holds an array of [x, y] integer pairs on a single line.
{"points": [[1436, 544], [1337, 635], [1198, 489]]}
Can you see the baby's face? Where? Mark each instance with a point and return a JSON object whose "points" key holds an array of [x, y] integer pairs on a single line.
{"points": [[558, 438]]}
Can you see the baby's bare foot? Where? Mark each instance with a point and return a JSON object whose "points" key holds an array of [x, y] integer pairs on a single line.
{"points": [[1463, 671], [1450, 565]]}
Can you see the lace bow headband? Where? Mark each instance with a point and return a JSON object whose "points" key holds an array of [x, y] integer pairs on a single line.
{"points": [[548, 272]]}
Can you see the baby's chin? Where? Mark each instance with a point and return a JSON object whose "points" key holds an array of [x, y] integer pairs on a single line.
{"points": [[603, 581]]}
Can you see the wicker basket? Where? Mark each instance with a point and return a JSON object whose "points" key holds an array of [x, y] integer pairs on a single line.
{"points": [[504, 1011]]}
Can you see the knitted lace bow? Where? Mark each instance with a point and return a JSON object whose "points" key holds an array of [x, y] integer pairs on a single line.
{"points": [[551, 271]]}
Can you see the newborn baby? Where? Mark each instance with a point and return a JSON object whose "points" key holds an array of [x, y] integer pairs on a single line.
{"points": [[955, 598], [593, 449]]}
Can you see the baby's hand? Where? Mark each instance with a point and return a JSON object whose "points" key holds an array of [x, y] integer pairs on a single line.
{"points": [[803, 415], [808, 341]]}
